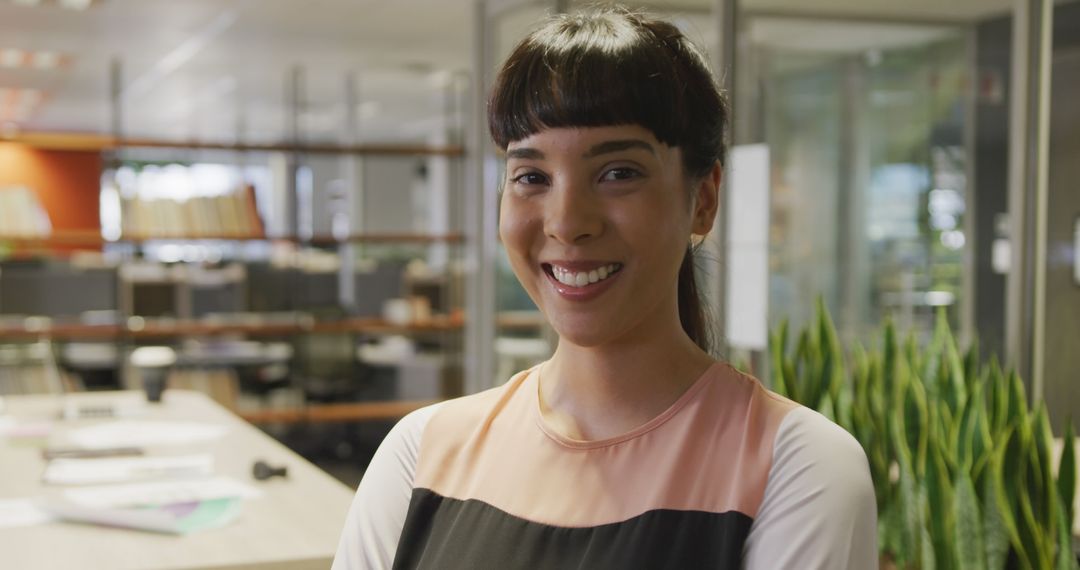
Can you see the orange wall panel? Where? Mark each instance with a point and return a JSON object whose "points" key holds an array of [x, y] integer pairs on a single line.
{"points": [[67, 182]]}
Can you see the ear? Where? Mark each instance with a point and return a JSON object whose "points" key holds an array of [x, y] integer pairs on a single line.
{"points": [[707, 200]]}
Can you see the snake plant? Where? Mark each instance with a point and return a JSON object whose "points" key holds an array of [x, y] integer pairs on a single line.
{"points": [[962, 462]]}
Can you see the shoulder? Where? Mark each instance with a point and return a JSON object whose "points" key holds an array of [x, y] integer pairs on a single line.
{"points": [[377, 515], [819, 450], [405, 437], [798, 436], [819, 509]]}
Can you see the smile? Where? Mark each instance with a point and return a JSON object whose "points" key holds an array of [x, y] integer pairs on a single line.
{"points": [[573, 278], [583, 282]]}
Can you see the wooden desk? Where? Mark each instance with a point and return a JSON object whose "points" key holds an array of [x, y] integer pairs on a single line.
{"points": [[294, 525]]}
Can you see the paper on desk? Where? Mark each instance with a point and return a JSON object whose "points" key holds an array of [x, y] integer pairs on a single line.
{"points": [[22, 512], [174, 518], [77, 471], [27, 429], [158, 493], [130, 433]]}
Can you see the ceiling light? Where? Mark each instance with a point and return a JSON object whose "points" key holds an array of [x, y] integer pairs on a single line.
{"points": [[12, 57], [46, 60], [180, 55], [26, 2], [76, 4]]}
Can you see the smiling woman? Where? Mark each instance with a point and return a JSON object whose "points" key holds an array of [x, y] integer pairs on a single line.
{"points": [[632, 447]]}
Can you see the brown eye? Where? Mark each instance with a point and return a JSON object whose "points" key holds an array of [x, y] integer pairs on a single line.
{"points": [[618, 174], [530, 179]]}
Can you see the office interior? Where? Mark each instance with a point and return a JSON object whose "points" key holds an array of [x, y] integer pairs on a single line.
{"points": [[294, 205]]}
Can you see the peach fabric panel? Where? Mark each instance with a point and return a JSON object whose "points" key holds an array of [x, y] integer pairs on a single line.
{"points": [[711, 451]]}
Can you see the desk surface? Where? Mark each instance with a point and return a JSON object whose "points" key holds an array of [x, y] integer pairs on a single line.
{"points": [[295, 524]]}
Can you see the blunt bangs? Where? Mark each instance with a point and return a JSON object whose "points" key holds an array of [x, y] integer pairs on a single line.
{"points": [[611, 68]]}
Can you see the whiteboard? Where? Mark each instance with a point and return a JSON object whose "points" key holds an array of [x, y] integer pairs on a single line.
{"points": [[747, 287]]}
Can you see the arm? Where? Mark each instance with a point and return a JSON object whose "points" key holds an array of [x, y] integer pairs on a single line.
{"points": [[819, 511], [373, 525]]}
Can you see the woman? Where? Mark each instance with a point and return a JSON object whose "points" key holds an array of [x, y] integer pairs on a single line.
{"points": [[631, 447]]}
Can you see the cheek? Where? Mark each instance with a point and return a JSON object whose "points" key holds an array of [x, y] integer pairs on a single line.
{"points": [[517, 229], [660, 234], [656, 225]]}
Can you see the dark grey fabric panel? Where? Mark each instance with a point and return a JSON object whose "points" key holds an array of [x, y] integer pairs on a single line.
{"points": [[451, 534]]}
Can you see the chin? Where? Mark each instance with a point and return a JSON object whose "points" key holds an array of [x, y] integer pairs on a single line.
{"points": [[582, 332]]}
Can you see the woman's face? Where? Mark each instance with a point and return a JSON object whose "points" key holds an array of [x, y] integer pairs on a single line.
{"points": [[596, 222]]}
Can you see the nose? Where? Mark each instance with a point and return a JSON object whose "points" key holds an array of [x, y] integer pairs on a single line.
{"points": [[573, 214]]}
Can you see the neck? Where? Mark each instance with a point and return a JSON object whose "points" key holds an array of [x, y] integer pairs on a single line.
{"points": [[592, 393]]}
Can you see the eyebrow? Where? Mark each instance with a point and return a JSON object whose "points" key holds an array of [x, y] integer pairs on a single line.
{"points": [[617, 146], [525, 153], [528, 153]]}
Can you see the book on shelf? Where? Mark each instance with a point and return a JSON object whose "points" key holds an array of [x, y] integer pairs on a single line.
{"points": [[21, 213], [231, 215]]}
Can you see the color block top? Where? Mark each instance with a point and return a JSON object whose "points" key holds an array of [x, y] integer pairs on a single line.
{"points": [[730, 475]]}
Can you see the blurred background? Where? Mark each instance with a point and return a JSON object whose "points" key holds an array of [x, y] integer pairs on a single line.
{"points": [[299, 198]]}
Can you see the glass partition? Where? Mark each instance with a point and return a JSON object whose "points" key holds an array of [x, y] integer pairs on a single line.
{"points": [[865, 124]]}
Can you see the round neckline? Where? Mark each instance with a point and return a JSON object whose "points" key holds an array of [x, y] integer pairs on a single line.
{"points": [[644, 428]]}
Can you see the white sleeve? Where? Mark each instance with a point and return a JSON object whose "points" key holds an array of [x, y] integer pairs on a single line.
{"points": [[819, 511], [377, 515]]}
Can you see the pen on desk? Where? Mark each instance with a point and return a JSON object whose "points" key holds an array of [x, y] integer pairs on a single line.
{"points": [[84, 453]]}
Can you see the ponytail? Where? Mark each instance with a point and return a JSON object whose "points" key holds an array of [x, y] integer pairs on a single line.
{"points": [[691, 309]]}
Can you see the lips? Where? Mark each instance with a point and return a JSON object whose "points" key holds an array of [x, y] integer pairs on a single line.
{"points": [[582, 274], [581, 280]]}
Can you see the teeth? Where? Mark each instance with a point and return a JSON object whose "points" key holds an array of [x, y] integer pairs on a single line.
{"points": [[583, 278]]}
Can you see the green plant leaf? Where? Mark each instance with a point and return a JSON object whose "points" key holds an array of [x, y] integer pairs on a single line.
{"points": [[1065, 558], [1032, 534], [843, 404], [971, 364], [1042, 455], [1017, 399], [889, 524], [995, 532], [825, 407], [1031, 501], [907, 500], [939, 517], [927, 555], [917, 424], [954, 384], [998, 400], [1066, 478], [1005, 480], [970, 542], [890, 350], [961, 434]]}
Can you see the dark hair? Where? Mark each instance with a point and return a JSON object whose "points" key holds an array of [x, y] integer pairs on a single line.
{"points": [[611, 66]]}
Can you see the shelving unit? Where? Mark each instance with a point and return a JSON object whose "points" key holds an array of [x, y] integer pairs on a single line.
{"points": [[337, 320], [94, 240], [172, 328]]}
